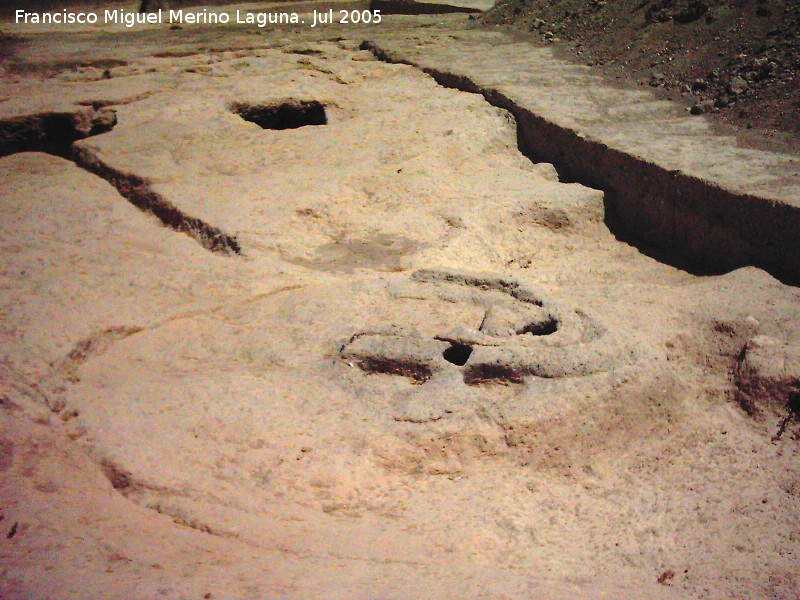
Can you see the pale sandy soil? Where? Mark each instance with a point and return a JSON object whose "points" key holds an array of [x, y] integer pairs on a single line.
{"points": [[285, 422]]}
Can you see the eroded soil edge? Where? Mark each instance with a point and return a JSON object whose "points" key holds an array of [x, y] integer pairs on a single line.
{"points": [[677, 218]]}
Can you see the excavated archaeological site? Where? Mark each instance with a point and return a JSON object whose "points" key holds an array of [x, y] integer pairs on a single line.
{"points": [[396, 310]]}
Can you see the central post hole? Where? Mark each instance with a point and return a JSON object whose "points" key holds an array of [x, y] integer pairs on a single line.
{"points": [[457, 354]]}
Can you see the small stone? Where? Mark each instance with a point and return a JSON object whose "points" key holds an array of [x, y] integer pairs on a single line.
{"points": [[702, 108], [75, 430], [737, 85], [538, 24]]}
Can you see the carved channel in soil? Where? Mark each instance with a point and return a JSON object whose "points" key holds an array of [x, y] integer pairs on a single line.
{"points": [[676, 218], [402, 366], [56, 132], [139, 193], [481, 374], [491, 350]]}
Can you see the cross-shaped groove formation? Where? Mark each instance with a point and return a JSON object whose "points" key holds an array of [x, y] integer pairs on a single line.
{"points": [[522, 333]]}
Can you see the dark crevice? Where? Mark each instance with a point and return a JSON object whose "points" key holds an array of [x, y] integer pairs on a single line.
{"points": [[53, 132], [457, 354], [286, 115], [489, 373], [677, 219], [413, 369]]}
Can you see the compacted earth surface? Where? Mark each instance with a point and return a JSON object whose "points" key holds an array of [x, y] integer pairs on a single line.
{"points": [[281, 319], [740, 60]]}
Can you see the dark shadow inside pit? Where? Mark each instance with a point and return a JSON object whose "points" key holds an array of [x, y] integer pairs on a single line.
{"points": [[548, 327], [287, 115], [492, 373], [417, 371], [457, 354], [52, 133]]}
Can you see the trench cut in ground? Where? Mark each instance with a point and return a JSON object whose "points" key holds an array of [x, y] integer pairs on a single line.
{"points": [[139, 193], [56, 133], [291, 114], [678, 219], [53, 132]]}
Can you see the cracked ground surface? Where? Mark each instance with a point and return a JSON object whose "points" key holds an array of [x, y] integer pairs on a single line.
{"points": [[428, 369]]}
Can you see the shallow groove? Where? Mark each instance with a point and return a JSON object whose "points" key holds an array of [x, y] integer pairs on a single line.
{"points": [[405, 367], [54, 67], [678, 219], [547, 327], [482, 282], [93, 345], [482, 374], [124, 482]]}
